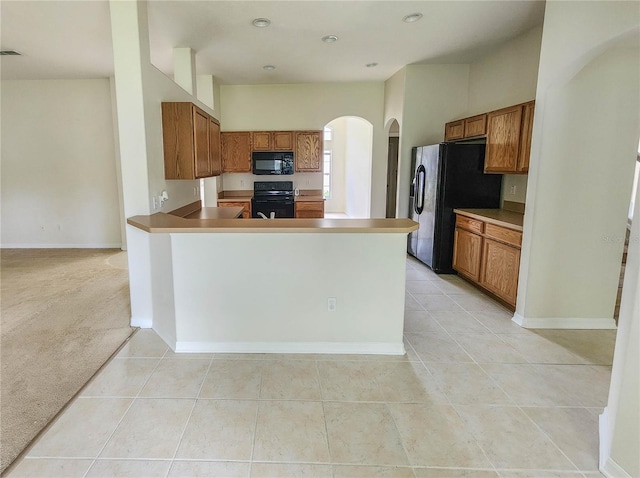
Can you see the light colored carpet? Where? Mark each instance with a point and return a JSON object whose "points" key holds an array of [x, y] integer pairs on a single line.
{"points": [[64, 313]]}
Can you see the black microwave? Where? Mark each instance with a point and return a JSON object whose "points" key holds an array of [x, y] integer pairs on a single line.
{"points": [[272, 162]]}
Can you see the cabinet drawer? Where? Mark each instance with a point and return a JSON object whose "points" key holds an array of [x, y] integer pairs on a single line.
{"points": [[469, 224], [475, 126], [503, 234]]}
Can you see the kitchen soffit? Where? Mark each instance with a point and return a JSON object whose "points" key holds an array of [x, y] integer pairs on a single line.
{"points": [[62, 39]]}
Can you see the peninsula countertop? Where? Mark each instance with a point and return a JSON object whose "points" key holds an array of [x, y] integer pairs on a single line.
{"points": [[167, 223], [499, 217]]}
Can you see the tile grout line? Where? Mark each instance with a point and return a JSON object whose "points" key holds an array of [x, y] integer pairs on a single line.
{"points": [[133, 400], [186, 424], [255, 423]]}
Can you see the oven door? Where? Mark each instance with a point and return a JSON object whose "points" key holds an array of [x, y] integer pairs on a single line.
{"points": [[281, 208]]}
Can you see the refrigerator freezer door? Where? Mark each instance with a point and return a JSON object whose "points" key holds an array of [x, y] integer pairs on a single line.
{"points": [[462, 184]]}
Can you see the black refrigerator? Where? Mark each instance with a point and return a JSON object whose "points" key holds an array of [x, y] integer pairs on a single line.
{"points": [[446, 176]]}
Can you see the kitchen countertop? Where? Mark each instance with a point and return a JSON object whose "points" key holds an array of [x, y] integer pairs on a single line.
{"points": [[216, 213], [499, 217], [236, 198], [167, 223]]}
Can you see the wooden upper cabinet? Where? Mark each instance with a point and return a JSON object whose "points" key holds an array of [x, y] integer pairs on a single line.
{"points": [[186, 141], [282, 140], [201, 143], [272, 140], [236, 151], [475, 126], [503, 140], [215, 156], [261, 141], [454, 130], [525, 140], [308, 151]]}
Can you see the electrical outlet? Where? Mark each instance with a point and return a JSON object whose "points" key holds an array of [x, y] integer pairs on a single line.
{"points": [[242, 183], [308, 182], [512, 190], [332, 304], [155, 203], [195, 192]]}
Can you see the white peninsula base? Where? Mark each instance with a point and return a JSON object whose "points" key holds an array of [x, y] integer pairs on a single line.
{"points": [[261, 292]]}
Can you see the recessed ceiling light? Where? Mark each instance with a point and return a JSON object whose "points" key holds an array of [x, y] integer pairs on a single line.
{"points": [[413, 17], [9, 52], [269, 67], [261, 22], [371, 65], [330, 39]]}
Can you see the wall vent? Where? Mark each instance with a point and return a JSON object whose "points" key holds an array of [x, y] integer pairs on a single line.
{"points": [[9, 52]]}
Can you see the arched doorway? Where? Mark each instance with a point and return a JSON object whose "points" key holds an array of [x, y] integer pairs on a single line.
{"points": [[392, 168], [348, 148]]}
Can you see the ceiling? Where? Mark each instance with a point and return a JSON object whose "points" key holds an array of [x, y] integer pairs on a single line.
{"points": [[72, 39]]}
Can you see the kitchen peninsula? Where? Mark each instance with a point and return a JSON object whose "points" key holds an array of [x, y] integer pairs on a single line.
{"points": [[278, 285]]}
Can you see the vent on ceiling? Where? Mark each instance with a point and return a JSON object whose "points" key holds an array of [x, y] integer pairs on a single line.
{"points": [[9, 52]]}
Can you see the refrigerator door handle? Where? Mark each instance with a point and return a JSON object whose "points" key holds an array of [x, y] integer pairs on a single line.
{"points": [[420, 176]]}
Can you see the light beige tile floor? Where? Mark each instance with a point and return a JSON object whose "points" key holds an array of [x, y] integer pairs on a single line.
{"points": [[475, 396]]}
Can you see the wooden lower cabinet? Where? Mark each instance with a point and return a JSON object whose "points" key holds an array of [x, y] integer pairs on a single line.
{"points": [[309, 209], [500, 267], [489, 256], [246, 213], [467, 253]]}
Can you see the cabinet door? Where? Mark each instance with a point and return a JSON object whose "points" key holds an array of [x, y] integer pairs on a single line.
{"points": [[525, 141], [261, 141], [500, 268], [467, 252], [214, 147], [236, 151], [454, 130], [282, 140], [503, 140], [475, 126], [309, 209], [201, 143], [308, 152]]}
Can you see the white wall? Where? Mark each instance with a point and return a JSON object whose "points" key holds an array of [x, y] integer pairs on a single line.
{"points": [[433, 94], [584, 143], [59, 186], [293, 316], [244, 181], [140, 89], [338, 201], [503, 78], [310, 106], [358, 167]]}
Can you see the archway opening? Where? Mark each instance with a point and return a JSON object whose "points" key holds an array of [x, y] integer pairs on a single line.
{"points": [[392, 168], [347, 164]]}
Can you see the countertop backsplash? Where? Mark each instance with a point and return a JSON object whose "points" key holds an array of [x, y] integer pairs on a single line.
{"points": [[241, 181]]}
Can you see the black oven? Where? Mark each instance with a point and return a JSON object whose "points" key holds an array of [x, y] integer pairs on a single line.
{"points": [[272, 162], [272, 199]]}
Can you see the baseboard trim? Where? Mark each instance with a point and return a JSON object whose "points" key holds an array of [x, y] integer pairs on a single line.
{"points": [[608, 467], [611, 469], [142, 322], [563, 322], [292, 347], [61, 246]]}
